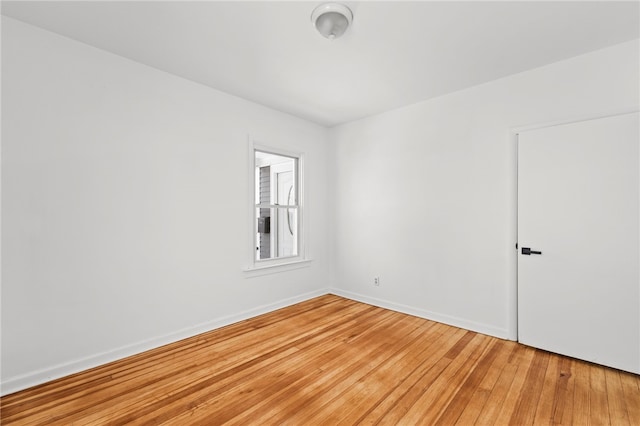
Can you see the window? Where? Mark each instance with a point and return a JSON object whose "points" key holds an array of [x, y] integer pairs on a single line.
{"points": [[276, 207]]}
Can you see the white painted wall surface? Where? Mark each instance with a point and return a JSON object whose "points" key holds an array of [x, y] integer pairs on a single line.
{"points": [[125, 194], [426, 194]]}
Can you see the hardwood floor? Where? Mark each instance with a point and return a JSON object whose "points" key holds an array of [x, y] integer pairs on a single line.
{"points": [[335, 361]]}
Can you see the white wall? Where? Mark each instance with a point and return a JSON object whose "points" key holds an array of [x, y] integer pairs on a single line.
{"points": [[125, 194], [426, 194]]}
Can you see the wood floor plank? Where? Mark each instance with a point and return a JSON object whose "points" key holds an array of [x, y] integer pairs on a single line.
{"points": [[545, 408], [581, 393], [365, 392], [615, 397], [325, 372], [631, 391], [436, 397], [565, 388], [494, 403], [521, 359], [230, 408], [373, 388], [331, 360], [598, 401], [476, 404], [359, 367], [529, 397], [398, 403], [404, 395], [462, 397]]}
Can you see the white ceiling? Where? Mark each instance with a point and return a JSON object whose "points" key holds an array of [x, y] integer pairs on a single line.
{"points": [[395, 53]]}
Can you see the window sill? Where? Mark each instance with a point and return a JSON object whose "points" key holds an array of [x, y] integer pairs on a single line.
{"points": [[260, 270]]}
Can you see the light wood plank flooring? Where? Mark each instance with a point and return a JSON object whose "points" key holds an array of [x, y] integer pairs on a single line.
{"points": [[331, 361]]}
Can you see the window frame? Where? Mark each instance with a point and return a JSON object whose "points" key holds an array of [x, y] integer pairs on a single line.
{"points": [[288, 262]]}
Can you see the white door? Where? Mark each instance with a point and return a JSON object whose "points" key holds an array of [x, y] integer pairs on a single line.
{"points": [[286, 223], [578, 196]]}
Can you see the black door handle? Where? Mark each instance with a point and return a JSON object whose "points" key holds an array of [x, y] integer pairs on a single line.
{"points": [[527, 251]]}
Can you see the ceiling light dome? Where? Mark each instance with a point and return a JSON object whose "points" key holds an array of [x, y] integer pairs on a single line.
{"points": [[331, 19]]}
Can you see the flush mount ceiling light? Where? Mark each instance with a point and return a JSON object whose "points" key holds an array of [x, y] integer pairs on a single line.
{"points": [[331, 19]]}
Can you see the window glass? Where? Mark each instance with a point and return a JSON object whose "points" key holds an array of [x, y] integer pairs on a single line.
{"points": [[277, 210]]}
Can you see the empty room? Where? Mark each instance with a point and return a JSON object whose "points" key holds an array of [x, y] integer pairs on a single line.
{"points": [[319, 213]]}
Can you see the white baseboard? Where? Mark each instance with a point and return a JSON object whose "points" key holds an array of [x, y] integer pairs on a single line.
{"points": [[15, 384], [421, 313]]}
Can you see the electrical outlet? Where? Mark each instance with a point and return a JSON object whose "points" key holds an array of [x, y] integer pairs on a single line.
{"points": [[376, 281]]}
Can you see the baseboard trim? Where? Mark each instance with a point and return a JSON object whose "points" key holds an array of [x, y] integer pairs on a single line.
{"points": [[39, 377], [421, 313]]}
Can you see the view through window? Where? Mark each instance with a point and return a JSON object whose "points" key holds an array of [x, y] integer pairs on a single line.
{"points": [[276, 202]]}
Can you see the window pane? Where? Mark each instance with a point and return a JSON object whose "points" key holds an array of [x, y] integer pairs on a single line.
{"points": [[286, 232], [276, 179], [277, 232]]}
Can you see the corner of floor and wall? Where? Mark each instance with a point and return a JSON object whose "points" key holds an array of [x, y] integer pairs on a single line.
{"points": [[124, 222]]}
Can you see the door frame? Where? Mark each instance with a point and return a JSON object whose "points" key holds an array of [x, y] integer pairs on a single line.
{"points": [[512, 288]]}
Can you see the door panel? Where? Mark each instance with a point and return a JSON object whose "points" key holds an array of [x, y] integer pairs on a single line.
{"points": [[578, 198], [286, 223]]}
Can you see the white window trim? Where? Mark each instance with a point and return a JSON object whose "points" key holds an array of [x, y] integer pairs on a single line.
{"points": [[268, 266]]}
